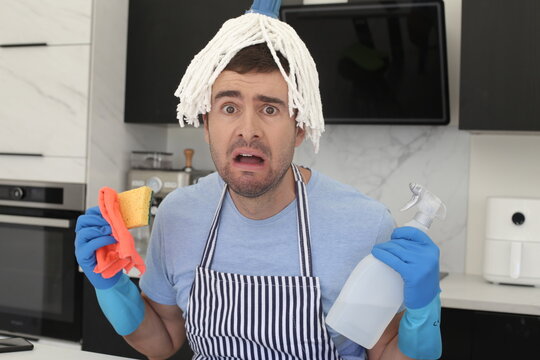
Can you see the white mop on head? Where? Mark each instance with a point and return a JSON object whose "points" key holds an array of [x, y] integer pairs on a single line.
{"points": [[258, 25]]}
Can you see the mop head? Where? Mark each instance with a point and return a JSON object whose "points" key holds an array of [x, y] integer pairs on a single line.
{"points": [[235, 34]]}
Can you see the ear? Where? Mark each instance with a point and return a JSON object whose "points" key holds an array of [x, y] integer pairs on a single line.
{"points": [[206, 131], [300, 135]]}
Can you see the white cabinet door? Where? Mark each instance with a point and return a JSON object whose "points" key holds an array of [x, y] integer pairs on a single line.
{"points": [[44, 100], [49, 21]]}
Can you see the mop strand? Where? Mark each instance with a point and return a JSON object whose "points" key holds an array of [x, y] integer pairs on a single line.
{"points": [[235, 34]]}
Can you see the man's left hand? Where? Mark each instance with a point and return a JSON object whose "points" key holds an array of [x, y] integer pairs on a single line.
{"points": [[413, 254]]}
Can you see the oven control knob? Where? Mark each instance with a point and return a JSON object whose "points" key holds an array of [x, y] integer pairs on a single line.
{"points": [[16, 193], [155, 183]]}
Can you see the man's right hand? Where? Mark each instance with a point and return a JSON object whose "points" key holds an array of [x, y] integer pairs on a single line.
{"points": [[93, 232]]}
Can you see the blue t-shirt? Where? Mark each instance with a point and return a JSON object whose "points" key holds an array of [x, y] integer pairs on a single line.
{"points": [[345, 225]]}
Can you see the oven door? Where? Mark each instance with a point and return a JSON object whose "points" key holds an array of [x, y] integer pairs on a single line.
{"points": [[40, 285]]}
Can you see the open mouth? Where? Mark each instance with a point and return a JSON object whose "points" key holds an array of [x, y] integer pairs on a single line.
{"points": [[248, 159]]}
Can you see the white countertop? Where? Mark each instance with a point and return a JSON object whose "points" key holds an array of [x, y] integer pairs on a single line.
{"points": [[473, 292], [51, 350]]}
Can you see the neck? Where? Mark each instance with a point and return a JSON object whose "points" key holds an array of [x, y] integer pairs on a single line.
{"points": [[271, 202]]}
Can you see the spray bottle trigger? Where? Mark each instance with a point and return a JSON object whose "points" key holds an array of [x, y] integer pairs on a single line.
{"points": [[416, 190], [411, 202]]}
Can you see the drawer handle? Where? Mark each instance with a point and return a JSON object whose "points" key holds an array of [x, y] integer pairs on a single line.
{"points": [[23, 45], [35, 221], [515, 259], [20, 154]]}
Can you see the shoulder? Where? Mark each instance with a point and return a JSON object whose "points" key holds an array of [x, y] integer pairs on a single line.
{"points": [[346, 210], [336, 195]]}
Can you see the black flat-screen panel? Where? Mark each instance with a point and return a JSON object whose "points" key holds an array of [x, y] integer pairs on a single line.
{"points": [[378, 62]]}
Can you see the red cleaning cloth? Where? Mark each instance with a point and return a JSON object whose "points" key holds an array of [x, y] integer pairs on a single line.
{"points": [[122, 255]]}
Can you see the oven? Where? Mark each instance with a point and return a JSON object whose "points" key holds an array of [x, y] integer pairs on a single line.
{"points": [[40, 285]]}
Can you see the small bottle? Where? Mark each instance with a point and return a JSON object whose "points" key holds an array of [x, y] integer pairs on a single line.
{"points": [[373, 293]]}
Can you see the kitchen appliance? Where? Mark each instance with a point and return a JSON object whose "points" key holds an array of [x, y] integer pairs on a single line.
{"points": [[41, 288], [379, 62], [162, 182], [151, 160], [512, 244]]}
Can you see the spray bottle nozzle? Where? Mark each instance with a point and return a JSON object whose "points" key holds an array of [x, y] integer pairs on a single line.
{"points": [[429, 205]]}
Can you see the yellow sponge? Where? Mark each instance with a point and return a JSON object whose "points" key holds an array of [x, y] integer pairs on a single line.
{"points": [[135, 206]]}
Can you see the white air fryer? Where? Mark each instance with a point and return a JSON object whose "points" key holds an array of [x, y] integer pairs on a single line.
{"points": [[512, 244]]}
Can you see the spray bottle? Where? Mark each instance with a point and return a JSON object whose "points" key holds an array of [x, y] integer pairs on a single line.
{"points": [[373, 293]]}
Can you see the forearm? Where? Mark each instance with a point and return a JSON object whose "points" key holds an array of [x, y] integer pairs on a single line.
{"points": [[387, 347], [392, 352], [153, 329], [418, 335], [152, 338]]}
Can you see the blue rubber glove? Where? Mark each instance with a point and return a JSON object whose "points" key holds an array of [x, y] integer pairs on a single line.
{"points": [[93, 232], [415, 257], [122, 305], [419, 335]]}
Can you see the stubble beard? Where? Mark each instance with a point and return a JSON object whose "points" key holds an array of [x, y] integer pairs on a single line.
{"points": [[245, 185]]}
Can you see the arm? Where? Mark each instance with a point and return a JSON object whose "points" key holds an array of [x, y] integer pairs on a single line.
{"points": [[161, 333], [387, 346], [154, 329]]}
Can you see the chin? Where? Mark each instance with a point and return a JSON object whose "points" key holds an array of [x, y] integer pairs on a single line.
{"points": [[249, 188]]}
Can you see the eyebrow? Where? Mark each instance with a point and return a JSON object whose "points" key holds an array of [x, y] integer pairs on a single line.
{"points": [[228, 93], [269, 99], [237, 94]]}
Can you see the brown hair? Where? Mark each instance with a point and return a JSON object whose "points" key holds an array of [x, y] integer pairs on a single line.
{"points": [[257, 58]]}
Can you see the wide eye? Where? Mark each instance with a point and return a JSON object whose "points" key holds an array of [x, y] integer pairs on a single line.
{"points": [[229, 109], [270, 110]]}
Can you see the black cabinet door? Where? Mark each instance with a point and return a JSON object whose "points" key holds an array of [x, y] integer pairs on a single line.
{"points": [[457, 334], [99, 336], [500, 65], [476, 335], [163, 38]]}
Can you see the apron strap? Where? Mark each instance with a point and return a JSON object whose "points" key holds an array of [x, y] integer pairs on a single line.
{"points": [[304, 242], [208, 253], [304, 237]]}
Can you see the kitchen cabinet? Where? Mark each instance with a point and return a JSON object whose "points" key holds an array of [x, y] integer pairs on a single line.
{"points": [[45, 21], [44, 86], [471, 334], [44, 100], [163, 38], [99, 336], [482, 320], [500, 75]]}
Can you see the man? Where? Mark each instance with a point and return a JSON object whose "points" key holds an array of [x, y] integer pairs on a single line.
{"points": [[246, 263]]}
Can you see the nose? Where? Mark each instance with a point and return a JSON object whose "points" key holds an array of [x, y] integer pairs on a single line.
{"points": [[249, 126]]}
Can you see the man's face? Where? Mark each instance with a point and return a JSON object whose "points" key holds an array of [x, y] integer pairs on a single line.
{"points": [[251, 135]]}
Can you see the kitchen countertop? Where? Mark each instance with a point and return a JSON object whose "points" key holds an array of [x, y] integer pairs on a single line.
{"points": [[52, 351], [473, 292]]}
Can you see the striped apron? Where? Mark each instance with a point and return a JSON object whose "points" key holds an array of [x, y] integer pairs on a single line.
{"points": [[232, 316]]}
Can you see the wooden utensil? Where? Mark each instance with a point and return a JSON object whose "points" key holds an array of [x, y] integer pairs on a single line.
{"points": [[188, 153]]}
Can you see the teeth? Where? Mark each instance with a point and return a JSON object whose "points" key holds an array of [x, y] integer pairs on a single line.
{"points": [[248, 155]]}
